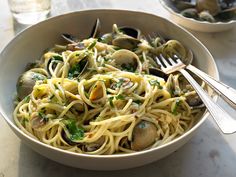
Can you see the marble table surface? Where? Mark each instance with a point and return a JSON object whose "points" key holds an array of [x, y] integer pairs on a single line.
{"points": [[208, 154]]}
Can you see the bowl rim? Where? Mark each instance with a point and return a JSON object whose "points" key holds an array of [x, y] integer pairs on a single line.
{"points": [[169, 9], [112, 156]]}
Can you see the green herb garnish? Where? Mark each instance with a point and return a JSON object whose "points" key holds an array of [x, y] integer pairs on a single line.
{"points": [[43, 116], [57, 58], [155, 83], [119, 84], [120, 97], [177, 104], [86, 94], [92, 45], [27, 99], [24, 121], [111, 101], [137, 102], [107, 59], [76, 132], [76, 69]]}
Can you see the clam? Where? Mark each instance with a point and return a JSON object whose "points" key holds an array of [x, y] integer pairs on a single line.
{"points": [[26, 83], [125, 42], [94, 33], [190, 13], [69, 38], [206, 16], [170, 84], [96, 92], [132, 32], [227, 3], [174, 47], [207, 10], [126, 60], [106, 38], [212, 6], [96, 29], [144, 135], [194, 100], [227, 14], [126, 37], [158, 72]]}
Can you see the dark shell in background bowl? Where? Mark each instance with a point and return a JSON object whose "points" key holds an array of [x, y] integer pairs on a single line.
{"points": [[205, 10]]}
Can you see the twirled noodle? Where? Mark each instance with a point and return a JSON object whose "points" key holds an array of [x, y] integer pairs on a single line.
{"points": [[97, 109]]}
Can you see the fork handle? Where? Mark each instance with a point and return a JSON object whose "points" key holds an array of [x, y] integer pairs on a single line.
{"points": [[225, 91], [225, 122]]}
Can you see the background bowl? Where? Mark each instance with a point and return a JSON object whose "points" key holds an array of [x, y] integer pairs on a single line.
{"points": [[196, 25], [30, 44]]}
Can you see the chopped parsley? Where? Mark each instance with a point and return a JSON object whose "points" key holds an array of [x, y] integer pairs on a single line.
{"points": [[76, 132], [55, 85], [177, 104], [43, 116], [119, 83], [57, 58], [107, 59], [86, 94], [24, 121], [137, 102], [76, 69], [27, 99], [92, 45], [120, 97], [110, 99], [155, 83]]}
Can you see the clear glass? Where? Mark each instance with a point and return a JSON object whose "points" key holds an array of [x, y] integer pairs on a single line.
{"points": [[29, 11]]}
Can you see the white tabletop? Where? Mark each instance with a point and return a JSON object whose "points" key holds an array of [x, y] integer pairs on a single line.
{"points": [[208, 154]]}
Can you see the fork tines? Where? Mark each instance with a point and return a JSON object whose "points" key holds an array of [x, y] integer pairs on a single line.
{"points": [[168, 64]]}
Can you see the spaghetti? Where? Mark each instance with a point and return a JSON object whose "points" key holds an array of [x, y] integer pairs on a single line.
{"points": [[94, 97]]}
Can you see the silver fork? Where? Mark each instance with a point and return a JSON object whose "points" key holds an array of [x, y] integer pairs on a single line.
{"points": [[223, 90], [224, 121]]}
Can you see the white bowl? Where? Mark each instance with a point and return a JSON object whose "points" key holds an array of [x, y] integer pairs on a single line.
{"points": [[196, 25], [30, 44]]}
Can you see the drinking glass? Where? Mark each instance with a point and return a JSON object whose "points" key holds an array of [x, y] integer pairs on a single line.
{"points": [[29, 11]]}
